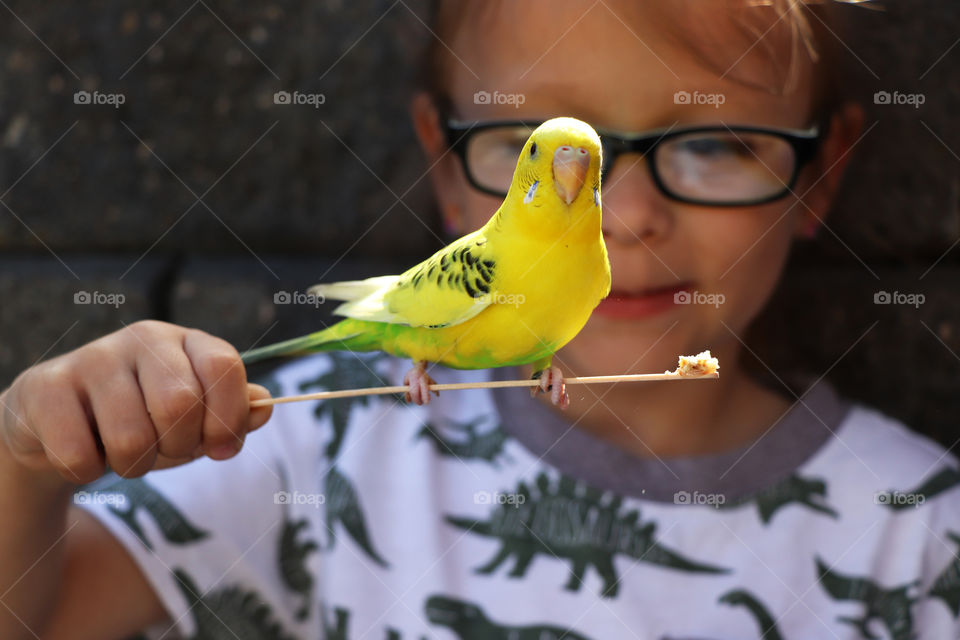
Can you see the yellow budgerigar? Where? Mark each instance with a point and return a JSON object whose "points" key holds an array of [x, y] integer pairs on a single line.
{"points": [[511, 293]]}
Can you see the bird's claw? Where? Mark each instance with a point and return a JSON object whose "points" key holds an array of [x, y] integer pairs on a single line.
{"points": [[418, 385], [552, 380]]}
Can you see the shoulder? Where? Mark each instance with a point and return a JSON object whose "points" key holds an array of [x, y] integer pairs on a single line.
{"points": [[880, 471], [887, 448]]}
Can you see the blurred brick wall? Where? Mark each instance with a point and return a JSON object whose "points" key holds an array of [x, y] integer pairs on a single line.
{"points": [[198, 198]]}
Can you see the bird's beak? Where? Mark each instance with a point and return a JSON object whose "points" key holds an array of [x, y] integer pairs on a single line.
{"points": [[570, 166]]}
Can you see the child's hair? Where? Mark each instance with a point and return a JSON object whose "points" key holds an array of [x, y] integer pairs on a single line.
{"points": [[720, 33]]}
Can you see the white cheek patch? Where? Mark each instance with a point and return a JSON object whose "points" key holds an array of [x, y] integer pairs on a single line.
{"points": [[596, 197], [527, 199]]}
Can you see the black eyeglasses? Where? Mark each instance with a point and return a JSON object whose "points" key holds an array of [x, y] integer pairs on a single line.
{"points": [[714, 166]]}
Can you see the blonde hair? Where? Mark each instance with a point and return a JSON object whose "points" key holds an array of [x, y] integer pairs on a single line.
{"points": [[784, 31], [796, 28]]}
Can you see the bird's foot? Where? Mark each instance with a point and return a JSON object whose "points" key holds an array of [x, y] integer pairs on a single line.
{"points": [[552, 380], [418, 384]]}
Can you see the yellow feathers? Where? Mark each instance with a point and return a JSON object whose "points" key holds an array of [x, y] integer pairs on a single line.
{"points": [[512, 292]]}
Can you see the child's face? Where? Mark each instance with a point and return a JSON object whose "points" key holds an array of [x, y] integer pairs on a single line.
{"points": [[619, 72]]}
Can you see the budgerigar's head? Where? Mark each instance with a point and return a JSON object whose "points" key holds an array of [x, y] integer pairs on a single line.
{"points": [[559, 168]]}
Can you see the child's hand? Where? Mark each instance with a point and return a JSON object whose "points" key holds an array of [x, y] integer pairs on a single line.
{"points": [[149, 396]]}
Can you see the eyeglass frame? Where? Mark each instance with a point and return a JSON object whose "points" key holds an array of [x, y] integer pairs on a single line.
{"points": [[804, 143]]}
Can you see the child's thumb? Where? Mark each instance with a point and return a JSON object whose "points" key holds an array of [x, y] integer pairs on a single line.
{"points": [[258, 415]]}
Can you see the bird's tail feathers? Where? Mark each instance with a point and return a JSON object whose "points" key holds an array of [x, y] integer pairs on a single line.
{"points": [[351, 289], [331, 339]]}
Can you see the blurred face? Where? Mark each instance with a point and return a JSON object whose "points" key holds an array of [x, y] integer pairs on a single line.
{"points": [[619, 72]]}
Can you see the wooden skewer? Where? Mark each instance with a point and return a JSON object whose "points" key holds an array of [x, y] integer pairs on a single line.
{"points": [[349, 393]]}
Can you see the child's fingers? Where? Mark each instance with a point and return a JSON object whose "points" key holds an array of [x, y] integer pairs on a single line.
{"points": [[224, 379], [173, 396], [126, 430], [258, 415], [57, 420]]}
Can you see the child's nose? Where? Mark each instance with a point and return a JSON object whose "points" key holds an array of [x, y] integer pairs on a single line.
{"points": [[634, 210]]}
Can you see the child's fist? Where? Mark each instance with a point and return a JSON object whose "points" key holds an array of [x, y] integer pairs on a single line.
{"points": [[149, 396]]}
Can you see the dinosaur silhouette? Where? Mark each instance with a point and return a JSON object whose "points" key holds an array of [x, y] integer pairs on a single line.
{"points": [[341, 622], [347, 371], [891, 607], [229, 613], [945, 479], [947, 585], [292, 554], [487, 446], [570, 521], [270, 383], [469, 622], [809, 492], [342, 505], [766, 622], [174, 526], [337, 631]]}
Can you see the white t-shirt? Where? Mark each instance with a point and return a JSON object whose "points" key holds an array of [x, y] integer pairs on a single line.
{"points": [[488, 515]]}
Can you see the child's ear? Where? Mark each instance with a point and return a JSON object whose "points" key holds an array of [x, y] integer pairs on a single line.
{"points": [[846, 126], [444, 174]]}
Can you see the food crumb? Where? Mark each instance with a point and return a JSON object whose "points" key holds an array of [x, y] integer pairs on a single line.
{"points": [[702, 364]]}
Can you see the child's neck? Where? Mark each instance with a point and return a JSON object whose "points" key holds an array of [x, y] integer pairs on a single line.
{"points": [[677, 419]]}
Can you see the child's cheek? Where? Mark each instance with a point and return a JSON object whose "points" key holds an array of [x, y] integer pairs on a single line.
{"points": [[742, 254], [478, 208]]}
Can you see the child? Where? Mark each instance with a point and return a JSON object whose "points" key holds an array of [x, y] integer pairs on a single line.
{"points": [[707, 509]]}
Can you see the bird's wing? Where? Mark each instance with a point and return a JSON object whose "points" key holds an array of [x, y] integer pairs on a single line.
{"points": [[450, 287]]}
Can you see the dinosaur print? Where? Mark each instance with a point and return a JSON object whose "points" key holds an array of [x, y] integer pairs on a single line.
{"points": [[174, 526], [229, 613], [945, 479], [486, 446], [890, 607], [570, 521], [270, 383], [338, 630], [809, 492], [342, 505], [292, 554], [469, 622], [766, 622], [947, 585], [347, 371], [341, 622]]}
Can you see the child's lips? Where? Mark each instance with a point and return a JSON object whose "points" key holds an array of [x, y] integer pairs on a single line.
{"points": [[642, 303]]}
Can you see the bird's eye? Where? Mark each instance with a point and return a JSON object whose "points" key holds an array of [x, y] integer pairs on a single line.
{"points": [[533, 149]]}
